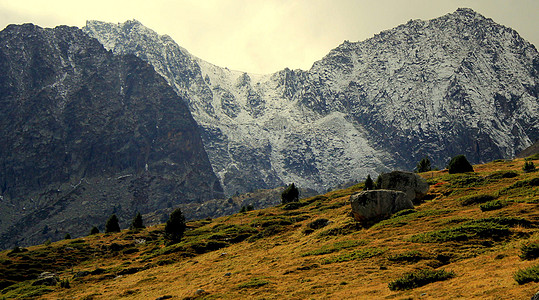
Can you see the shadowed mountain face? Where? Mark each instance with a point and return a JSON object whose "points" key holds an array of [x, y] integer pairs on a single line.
{"points": [[85, 133], [458, 84]]}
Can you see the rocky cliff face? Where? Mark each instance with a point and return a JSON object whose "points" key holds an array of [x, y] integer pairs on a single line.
{"points": [[86, 133], [458, 84]]}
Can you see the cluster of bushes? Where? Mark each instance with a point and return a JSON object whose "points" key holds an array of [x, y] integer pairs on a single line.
{"points": [[419, 278]]}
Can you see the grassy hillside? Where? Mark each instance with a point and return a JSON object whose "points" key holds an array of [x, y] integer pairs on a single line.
{"points": [[476, 236]]}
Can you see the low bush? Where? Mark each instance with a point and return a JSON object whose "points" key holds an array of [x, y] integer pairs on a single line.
{"points": [[253, 283], [464, 232], [334, 247], [475, 199], [409, 256], [419, 278], [528, 167], [530, 251], [354, 255], [502, 174], [530, 274], [318, 223], [493, 205]]}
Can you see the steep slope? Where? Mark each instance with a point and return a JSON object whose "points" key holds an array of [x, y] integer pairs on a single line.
{"points": [[458, 84], [85, 133], [315, 251]]}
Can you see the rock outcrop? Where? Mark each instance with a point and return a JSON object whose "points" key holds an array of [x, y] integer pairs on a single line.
{"points": [[372, 206], [85, 133], [414, 186]]}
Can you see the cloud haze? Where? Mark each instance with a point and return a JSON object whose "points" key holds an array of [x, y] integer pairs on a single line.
{"points": [[265, 36]]}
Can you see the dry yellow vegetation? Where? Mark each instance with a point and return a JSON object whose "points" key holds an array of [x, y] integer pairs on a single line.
{"points": [[280, 253]]}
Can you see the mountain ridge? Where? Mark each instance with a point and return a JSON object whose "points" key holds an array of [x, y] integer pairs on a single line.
{"points": [[424, 88]]}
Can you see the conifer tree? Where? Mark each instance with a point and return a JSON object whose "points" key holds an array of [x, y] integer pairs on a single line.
{"points": [[369, 184], [459, 164], [290, 194], [423, 165], [137, 222], [112, 224], [94, 230], [175, 226]]}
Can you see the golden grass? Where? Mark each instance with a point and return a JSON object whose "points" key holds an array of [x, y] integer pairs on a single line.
{"points": [[276, 267]]}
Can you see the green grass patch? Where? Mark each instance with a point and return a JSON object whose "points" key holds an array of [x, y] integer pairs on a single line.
{"points": [[25, 290], [408, 256], [530, 251], [464, 232], [466, 180], [346, 229], [419, 278], [354, 255], [405, 216], [502, 174], [493, 205], [530, 274], [335, 247]]}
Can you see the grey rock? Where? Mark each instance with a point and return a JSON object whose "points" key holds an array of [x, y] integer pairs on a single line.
{"points": [[535, 297], [47, 278], [371, 206], [79, 122], [414, 186]]}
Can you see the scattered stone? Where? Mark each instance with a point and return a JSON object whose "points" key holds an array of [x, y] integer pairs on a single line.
{"points": [[81, 274], [369, 206], [200, 292], [535, 297], [415, 186], [164, 297], [47, 278]]}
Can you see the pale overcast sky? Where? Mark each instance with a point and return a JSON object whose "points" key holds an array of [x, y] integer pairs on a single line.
{"points": [[264, 36]]}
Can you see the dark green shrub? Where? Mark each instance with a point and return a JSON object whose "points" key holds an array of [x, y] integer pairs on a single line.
{"points": [[94, 230], [137, 222], [528, 166], [467, 231], [318, 223], [475, 199], [530, 274], [493, 205], [253, 283], [294, 205], [175, 226], [290, 194], [369, 184], [423, 165], [530, 251], [64, 283], [419, 278], [112, 225], [459, 164], [503, 174], [67, 236]]}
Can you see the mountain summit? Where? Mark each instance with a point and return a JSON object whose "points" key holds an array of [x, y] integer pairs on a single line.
{"points": [[458, 84]]}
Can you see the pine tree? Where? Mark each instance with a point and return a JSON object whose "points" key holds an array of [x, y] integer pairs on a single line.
{"points": [[529, 166], [112, 224], [423, 165], [137, 222], [459, 164], [290, 194], [94, 230], [67, 236], [369, 184], [175, 226]]}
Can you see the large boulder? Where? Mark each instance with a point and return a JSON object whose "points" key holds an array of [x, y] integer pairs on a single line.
{"points": [[47, 278], [415, 186], [372, 206]]}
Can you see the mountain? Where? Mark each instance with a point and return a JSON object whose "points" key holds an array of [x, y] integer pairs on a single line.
{"points": [[458, 84], [313, 250], [85, 133]]}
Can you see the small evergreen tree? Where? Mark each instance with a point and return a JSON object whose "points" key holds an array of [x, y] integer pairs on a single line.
{"points": [[243, 209], [137, 222], [175, 226], [423, 165], [94, 230], [529, 166], [67, 236], [290, 194], [459, 164], [112, 224], [250, 207], [369, 184]]}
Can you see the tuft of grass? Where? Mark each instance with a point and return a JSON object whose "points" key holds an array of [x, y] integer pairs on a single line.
{"points": [[493, 205], [419, 278], [530, 251], [253, 283], [475, 199], [354, 255], [530, 274], [502, 175], [465, 181]]}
